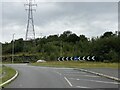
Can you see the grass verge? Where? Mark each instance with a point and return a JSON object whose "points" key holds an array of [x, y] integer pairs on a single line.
{"points": [[8, 73], [75, 64], [0, 70], [0, 74]]}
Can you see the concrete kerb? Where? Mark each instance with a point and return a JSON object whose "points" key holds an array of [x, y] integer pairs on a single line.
{"points": [[99, 74], [8, 81]]}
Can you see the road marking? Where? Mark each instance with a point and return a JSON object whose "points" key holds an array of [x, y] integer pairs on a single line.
{"points": [[8, 81], [72, 74], [58, 72], [90, 76], [82, 87], [96, 81], [68, 81]]}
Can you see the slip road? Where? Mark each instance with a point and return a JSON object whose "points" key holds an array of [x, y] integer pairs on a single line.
{"points": [[49, 77]]}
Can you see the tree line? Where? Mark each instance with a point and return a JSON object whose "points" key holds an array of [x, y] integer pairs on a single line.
{"points": [[106, 47]]}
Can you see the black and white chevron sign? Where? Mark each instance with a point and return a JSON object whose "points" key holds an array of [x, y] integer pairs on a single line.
{"points": [[82, 58]]}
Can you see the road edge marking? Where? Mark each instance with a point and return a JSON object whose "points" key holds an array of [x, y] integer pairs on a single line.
{"points": [[99, 74], [82, 87], [68, 81], [96, 81], [11, 79]]}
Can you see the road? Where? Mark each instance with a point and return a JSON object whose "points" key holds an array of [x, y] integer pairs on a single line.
{"points": [[107, 71], [49, 77]]}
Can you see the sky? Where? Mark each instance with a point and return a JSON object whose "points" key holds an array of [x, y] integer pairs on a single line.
{"points": [[91, 19]]}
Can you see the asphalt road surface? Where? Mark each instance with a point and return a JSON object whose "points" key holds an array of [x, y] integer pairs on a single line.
{"points": [[49, 77]]}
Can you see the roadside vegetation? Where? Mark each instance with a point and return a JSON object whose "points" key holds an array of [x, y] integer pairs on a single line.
{"points": [[0, 74], [0, 70], [8, 73], [105, 47], [78, 64]]}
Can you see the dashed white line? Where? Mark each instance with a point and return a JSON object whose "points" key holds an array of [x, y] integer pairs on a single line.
{"points": [[68, 82]]}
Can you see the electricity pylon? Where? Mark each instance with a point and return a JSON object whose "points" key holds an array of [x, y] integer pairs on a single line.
{"points": [[30, 32]]}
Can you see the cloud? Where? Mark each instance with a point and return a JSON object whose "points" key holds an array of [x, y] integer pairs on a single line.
{"points": [[88, 18]]}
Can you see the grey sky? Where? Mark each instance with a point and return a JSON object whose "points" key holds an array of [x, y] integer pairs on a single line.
{"points": [[89, 18]]}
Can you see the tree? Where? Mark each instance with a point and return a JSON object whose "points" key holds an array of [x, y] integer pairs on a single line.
{"points": [[52, 38], [63, 37], [72, 38], [83, 38], [19, 45], [67, 33], [107, 34]]}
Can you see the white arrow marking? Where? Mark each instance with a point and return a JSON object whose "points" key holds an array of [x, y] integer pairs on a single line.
{"points": [[67, 58], [78, 58], [88, 58], [93, 58], [84, 58], [59, 59], [71, 58], [62, 58]]}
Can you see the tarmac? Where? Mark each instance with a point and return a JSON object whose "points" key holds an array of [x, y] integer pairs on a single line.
{"points": [[104, 72]]}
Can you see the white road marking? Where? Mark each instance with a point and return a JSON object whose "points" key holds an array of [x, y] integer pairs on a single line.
{"points": [[82, 87], [68, 81], [72, 74], [8, 81], [58, 72], [96, 81], [90, 76]]}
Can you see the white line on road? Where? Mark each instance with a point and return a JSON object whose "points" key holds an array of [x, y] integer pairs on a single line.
{"points": [[68, 81], [90, 76], [82, 87], [96, 81], [58, 72], [8, 81], [80, 75]]}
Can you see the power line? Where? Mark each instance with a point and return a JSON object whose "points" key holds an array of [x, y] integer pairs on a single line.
{"points": [[30, 31]]}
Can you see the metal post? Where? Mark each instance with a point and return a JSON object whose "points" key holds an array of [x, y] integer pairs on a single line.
{"points": [[13, 49], [30, 32]]}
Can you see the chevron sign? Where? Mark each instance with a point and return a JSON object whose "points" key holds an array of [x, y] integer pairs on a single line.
{"points": [[76, 58]]}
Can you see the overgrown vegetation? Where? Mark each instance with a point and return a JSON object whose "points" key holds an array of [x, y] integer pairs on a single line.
{"points": [[106, 47]]}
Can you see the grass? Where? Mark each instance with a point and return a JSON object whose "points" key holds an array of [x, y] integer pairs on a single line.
{"points": [[9, 73], [74, 64], [0, 70], [0, 74]]}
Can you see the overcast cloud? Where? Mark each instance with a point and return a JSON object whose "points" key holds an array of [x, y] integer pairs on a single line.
{"points": [[89, 18]]}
